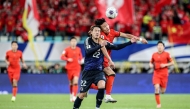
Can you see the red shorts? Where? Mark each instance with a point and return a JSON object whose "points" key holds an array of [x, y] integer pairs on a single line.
{"points": [[73, 73], [13, 74], [162, 80]]}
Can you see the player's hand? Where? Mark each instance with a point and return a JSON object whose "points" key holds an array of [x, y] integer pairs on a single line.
{"points": [[70, 59], [112, 65], [144, 41], [24, 65], [163, 65], [151, 65], [8, 63], [133, 40], [102, 42]]}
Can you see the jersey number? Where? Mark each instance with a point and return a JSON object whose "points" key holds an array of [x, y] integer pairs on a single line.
{"points": [[96, 54], [83, 82]]}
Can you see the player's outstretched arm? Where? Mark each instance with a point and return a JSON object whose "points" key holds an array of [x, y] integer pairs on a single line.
{"points": [[129, 36], [120, 46]]}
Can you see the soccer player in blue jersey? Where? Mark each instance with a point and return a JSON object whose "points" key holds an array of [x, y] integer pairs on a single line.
{"points": [[95, 50]]}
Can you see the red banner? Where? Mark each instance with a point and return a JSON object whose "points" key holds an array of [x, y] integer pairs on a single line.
{"points": [[125, 10], [179, 34], [158, 7]]}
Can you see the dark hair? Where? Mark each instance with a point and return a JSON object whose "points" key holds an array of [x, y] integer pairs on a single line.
{"points": [[91, 29], [14, 42], [73, 38], [160, 42], [99, 21]]}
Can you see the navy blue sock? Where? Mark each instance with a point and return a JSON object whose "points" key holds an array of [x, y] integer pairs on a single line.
{"points": [[99, 97], [77, 103]]}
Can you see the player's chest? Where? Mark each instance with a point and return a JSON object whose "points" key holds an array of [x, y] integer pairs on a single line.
{"points": [[14, 56], [160, 58], [73, 53]]}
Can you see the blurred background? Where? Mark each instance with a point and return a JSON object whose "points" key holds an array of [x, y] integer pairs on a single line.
{"points": [[59, 20]]}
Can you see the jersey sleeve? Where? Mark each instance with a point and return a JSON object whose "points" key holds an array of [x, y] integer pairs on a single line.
{"points": [[117, 46], [88, 48], [169, 57], [152, 59], [63, 55], [116, 33], [7, 56]]}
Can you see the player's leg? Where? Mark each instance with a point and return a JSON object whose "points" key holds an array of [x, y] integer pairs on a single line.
{"points": [[78, 100], [75, 86], [16, 77], [164, 82], [100, 93], [70, 76], [109, 84], [156, 82], [85, 84]]}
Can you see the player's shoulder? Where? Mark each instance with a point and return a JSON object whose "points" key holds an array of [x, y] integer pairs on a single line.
{"points": [[155, 53], [67, 48], [78, 48], [166, 53]]}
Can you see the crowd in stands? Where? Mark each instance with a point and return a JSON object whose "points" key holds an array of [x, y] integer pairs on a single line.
{"points": [[65, 18]]}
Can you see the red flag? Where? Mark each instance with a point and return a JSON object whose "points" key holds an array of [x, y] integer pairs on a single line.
{"points": [[179, 34], [160, 4], [80, 6], [125, 10]]}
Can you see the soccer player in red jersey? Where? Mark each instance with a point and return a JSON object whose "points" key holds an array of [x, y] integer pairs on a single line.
{"points": [[12, 59], [73, 56], [160, 62], [109, 35]]}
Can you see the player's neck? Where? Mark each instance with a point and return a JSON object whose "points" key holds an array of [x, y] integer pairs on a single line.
{"points": [[14, 50], [73, 47], [159, 52], [95, 40]]}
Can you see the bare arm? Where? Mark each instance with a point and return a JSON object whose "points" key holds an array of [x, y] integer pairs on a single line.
{"points": [[107, 56], [23, 62], [129, 36]]}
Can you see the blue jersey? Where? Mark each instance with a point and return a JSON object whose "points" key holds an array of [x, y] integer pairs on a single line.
{"points": [[93, 55]]}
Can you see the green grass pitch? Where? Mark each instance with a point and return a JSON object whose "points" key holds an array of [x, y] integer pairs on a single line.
{"points": [[125, 101]]}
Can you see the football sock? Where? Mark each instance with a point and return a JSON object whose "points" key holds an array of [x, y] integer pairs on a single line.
{"points": [[77, 103], [109, 84], [157, 97], [71, 89], [75, 89], [14, 90], [99, 97], [93, 86]]}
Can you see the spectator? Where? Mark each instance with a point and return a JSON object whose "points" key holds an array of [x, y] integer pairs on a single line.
{"points": [[57, 68]]}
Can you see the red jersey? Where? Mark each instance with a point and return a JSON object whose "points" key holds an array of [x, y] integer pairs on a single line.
{"points": [[14, 58], [109, 37], [162, 58], [75, 54]]}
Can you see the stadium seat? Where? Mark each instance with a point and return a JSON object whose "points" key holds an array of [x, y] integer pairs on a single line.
{"points": [[48, 38], [58, 38], [3, 38], [39, 38]]}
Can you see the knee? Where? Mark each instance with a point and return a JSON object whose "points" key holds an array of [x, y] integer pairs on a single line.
{"points": [[101, 84], [81, 95], [14, 83]]}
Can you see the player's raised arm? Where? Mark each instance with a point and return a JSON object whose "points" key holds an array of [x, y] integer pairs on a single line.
{"points": [[129, 36], [120, 46], [88, 49]]}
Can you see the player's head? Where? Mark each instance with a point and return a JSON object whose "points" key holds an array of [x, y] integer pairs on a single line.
{"points": [[14, 45], [73, 42], [160, 46], [103, 25], [95, 31]]}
